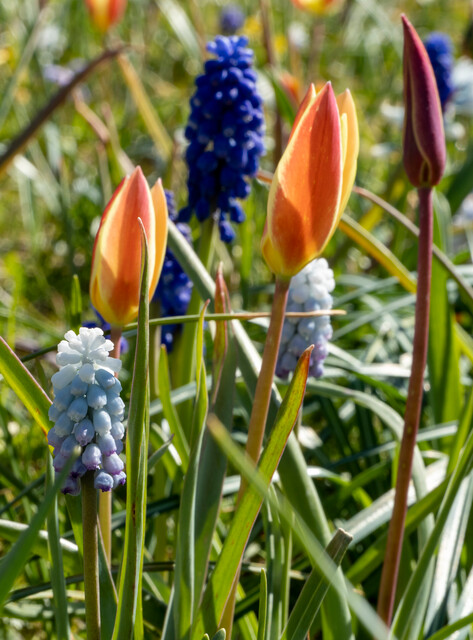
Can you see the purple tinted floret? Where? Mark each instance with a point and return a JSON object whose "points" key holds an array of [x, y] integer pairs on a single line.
{"points": [[113, 464], [103, 481], [92, 456]]}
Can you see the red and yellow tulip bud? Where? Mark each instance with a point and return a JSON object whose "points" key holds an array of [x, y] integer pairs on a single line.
{"points": [[319, 7], [105, 13], [116, 259], [312, 182], [424, 140]]}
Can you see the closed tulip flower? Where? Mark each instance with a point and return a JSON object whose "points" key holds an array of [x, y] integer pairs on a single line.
{"points": [[105, 13], [116, 259], [424, 139], [312, 182]]}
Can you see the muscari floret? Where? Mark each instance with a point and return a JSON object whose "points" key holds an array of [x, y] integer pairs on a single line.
{"points": [[310, 290], [87, 410], [225, 133]]}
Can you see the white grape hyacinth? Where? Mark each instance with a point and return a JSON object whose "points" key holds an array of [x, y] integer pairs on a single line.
{"points": [[87, 410], [310, 290]]}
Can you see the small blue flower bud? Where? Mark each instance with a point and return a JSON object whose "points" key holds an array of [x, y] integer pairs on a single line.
{"points": [[107, 444], [103, 481], [112, 464], [87, 373], [71, 486], [92, 457], [79, 387], [54, 412], [102, 422], [68, 446], [119, 446], [84, 432], [78, 469], [115, 404], [59, 462], [54, 439], [77, 409], [96, 396], [63, 398], [63, 377], [105, 378], [63, 425], [117, 430], [119, 479]]}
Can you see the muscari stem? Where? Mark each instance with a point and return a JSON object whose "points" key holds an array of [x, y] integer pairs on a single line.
{"points": [[91, 559], [392, 556], [105, 497], [259, 412]]}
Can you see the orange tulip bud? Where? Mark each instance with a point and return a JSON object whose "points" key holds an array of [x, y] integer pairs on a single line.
{"points": [[319, 7], [424, 139], [312, 182], [116, 259], [104, 13]]}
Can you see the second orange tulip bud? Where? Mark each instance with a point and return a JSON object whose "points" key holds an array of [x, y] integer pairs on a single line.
{"points": [[312, 182]]}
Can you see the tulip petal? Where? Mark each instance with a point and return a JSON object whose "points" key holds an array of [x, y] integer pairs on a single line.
{"points": [[350, 144], [116, 260], [306, 189], [161, 231]]}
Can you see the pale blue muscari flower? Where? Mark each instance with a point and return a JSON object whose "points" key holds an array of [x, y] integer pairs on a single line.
{"points": [[310, 290], [87, 410]]}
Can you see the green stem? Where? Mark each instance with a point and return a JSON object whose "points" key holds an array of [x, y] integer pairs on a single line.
{"points": [[392, 556], [91, 558]]}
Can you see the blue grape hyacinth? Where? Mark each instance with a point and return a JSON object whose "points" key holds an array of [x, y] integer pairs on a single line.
{"points": [[174, 288], [439, 49], [87, 410], [225, 133], [310, 290]]}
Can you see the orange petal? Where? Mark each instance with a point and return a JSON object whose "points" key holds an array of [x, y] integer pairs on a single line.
{"points": [[350, 145], [116, 260], [306, 189]]}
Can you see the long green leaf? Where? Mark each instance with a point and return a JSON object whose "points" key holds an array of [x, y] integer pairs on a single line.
{"points": [[221, 580], [311, 596], [25, 386], [129, 593]]}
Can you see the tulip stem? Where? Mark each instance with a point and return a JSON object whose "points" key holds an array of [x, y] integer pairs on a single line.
{"points": [[91, 558], [259, 412], [392, 556], [105, 497]]}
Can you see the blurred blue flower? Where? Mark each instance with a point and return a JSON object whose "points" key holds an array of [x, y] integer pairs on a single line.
{"points": [[225, 133], [174, 287], [310, 290], [439, 49], [232, 19]]}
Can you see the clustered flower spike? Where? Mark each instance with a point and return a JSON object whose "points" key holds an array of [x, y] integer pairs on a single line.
{"points": [[174, 286], [87, 410], [225, 132], [439, 49], [310, 290]]}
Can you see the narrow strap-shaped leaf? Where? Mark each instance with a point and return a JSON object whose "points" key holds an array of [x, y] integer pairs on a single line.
{"points": [[169, 411], [14, 560], [263, 606], [184, 582], [25, 386], [221, 580], [314, 591], [136, 468]]}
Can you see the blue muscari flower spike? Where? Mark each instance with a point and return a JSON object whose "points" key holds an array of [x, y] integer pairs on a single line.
{"points": [[87, 410], [310, 290], [232, 18], [439, 49], [174, 287], [225, 132]]}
